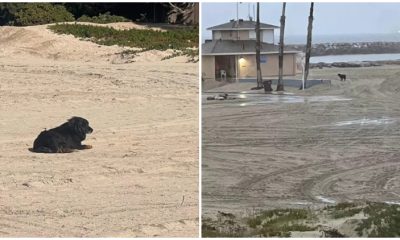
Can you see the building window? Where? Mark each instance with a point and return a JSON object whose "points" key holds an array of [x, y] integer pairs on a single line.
{"points": [[252, 34], [263, 58]]}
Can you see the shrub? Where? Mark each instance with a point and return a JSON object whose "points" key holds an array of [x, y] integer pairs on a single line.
{"points": [[280, 222], [383, 219], [103, 18], [41, 13], [7, 12], [297, 227], [346, 213], [273, 232], [177, 39], [344, 205], [147, 39], [254, 222]]}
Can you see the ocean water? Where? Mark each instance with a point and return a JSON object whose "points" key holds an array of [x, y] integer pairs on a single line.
{"points": [[342, 38], [355, 58]]}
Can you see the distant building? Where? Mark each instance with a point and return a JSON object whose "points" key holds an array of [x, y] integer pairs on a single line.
{"points": [[232, 52]]}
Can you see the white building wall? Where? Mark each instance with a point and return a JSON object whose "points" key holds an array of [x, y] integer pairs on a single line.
{"points": [[267, 36], [217, 35], [252, 34]]}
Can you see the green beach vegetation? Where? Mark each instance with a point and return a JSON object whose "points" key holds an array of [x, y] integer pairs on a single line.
{"points": [[103, 18], [368, 219], [183, 40], [22, 14]]}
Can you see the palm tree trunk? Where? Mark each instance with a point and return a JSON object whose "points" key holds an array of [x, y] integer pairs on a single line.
{"points": [[308, 47], [280, 87], [258, 48], [186, 13]]}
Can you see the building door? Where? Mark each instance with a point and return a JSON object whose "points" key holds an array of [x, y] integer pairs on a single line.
{"points": [[225, 66]]}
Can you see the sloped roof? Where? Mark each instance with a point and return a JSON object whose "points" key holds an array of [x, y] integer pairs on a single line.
{"points": [[243, 25], [234, 47]]}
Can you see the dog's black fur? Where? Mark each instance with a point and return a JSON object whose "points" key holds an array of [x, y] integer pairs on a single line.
{"points": [[63, 139], [342, 77]]}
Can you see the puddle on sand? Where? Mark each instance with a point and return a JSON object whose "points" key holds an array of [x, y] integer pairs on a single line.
{"points": [[302, 203], [325, 200], [244, 99], [366, 121], [266, 99]]}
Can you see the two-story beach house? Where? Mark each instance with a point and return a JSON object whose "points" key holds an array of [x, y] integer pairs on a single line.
{"points": [[231, 53]]}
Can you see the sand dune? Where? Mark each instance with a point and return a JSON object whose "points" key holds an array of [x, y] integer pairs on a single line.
{"points": [[38, 41], [122, 25], [140, 178]]}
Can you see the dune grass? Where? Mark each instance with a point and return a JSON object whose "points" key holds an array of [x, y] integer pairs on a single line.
{"points": [[378, 220], [103, 18], [280, 222], [184, 41], [383, 220], [269, 223]]}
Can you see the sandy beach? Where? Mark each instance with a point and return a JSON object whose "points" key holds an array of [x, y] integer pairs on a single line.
{"points": [[306, 149], [141, 177]]}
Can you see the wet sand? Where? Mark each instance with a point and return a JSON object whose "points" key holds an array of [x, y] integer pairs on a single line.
{"points": [[324, 145]]}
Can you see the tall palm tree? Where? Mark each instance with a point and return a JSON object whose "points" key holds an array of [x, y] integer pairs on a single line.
{"points": [[280, 87], [186, 13], [258, 48], [308, 47]]}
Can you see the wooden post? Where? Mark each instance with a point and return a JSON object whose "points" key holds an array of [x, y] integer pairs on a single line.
{"points": [[258, 48], [308, 47], [280, 87]]}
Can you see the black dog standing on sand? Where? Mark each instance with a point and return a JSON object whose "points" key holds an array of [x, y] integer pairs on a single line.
{"points": [[63, 139], [342, 77]]}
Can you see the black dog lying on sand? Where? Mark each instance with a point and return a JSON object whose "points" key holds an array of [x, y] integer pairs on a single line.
{"points": [[223, 96], [342, 77], [63, 139]]}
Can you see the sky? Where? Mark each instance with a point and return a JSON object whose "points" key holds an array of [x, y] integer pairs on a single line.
{"points": [[329, 18]]}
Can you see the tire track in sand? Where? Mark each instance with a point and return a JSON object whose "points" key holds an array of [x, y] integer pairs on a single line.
{"points": [[322, 185]]}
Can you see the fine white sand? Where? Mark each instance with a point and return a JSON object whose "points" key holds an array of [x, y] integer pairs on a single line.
{"points": [[140, 178]]}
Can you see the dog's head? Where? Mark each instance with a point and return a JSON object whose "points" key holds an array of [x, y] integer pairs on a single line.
{"points": [[80, 126]]}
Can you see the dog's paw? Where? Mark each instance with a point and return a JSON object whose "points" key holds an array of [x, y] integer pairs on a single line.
{"points": [[65, 150]]}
